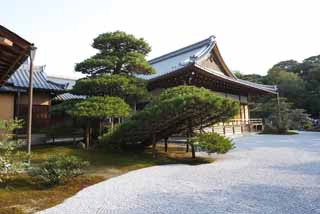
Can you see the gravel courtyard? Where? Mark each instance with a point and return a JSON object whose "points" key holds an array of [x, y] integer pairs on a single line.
{"points": [[264, 174]]}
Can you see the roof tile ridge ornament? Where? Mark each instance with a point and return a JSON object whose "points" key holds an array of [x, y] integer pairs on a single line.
{"points": [[212, 38]]}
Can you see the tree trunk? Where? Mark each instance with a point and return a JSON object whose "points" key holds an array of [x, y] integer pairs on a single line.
{"points": [[90, 136], [100, 128], [187, 149], [193, 151], [190, 134], [166, 144], [154, 144]]}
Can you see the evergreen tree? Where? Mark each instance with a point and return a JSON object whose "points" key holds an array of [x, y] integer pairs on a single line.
{"points": [[178, 110], [118, 53], [89, 113]]}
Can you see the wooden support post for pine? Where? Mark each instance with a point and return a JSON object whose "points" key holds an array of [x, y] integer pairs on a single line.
{"points": [[87, 137], [154, 152], [135, 106], [201, 126], [166, 144], [112, 123]]}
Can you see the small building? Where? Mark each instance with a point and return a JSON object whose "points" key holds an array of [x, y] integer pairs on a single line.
{"points": [[14, 96], [68, 85], [202, 65]]}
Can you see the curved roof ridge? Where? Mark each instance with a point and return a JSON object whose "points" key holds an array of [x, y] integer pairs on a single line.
{"points": [[209, 41]]}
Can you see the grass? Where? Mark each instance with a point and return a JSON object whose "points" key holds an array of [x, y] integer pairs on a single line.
{"points": [[25, 195]]}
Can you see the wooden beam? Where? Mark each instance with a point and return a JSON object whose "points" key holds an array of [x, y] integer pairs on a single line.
{"points": [[13, 65], [6, 42], [17, 40]]}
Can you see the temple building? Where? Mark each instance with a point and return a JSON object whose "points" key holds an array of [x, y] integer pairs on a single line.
{"points": [[14, 96], [202, 65]]}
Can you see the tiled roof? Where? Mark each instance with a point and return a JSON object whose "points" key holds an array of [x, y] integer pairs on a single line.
{"points": [[20, 79], [67, 82], [190, 55], [69, 96], [180, 58]]}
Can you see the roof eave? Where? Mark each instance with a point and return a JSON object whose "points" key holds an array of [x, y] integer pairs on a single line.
{"points": [[24, 48], [168, 74], [265, 90]]}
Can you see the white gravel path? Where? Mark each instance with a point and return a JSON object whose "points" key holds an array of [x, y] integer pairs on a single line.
{"points": [[264, 174]]}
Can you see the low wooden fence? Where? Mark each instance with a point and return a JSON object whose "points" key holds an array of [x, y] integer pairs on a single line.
{"points": [[237, 126]]}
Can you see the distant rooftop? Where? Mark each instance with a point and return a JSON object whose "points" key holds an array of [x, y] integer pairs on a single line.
{"points": [[67, 82]]}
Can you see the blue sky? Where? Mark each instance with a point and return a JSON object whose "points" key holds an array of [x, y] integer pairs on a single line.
{"points": [[252, 35]]}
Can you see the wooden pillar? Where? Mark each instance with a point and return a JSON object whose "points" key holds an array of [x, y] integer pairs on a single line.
{"points": [[279, 113], [241, 118], [18, 104]]}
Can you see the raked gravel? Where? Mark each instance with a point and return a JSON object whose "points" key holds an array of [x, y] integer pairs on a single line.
{"points": [[264, 174]]}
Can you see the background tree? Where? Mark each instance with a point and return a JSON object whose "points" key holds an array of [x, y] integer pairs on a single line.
{"points": [[290, 86], [298, 119], [276, 116], [292, 66], [298, 82]]}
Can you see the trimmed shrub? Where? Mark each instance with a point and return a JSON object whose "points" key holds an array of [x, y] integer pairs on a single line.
{"points": [[175, 111], [59, 168], [213, 143]]}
